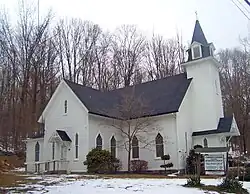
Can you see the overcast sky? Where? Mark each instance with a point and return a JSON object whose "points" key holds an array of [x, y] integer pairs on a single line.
{"points": [[221, 20]]}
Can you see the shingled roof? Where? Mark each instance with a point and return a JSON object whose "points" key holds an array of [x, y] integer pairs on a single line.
{"points": [[63, 135], [198, 35], [224, 126], [163, 96]]}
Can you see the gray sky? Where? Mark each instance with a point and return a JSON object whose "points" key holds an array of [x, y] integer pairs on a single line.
{"points": [[221, 20]]}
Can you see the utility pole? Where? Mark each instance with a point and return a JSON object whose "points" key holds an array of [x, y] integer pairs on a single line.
{"points": [[38, 9]]}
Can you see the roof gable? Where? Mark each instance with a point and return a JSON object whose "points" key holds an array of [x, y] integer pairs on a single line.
{"points": [[163, 96]]}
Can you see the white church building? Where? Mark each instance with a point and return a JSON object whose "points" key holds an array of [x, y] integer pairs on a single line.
{"points": [[186, 111]]}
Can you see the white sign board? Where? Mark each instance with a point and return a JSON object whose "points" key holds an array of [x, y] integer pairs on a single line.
{"points": [[214, 162]]}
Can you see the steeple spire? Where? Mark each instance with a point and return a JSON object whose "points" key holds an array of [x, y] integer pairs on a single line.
{"points": [[199, 47], [198, 35]]}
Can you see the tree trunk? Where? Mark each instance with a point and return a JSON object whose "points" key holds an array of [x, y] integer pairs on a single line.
{"points": [[129, 156]]}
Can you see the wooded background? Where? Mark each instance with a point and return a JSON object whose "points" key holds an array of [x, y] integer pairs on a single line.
{"points": [[36, 54]]}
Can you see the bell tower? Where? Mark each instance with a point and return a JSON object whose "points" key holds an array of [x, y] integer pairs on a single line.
{"points": [[205, 88]]}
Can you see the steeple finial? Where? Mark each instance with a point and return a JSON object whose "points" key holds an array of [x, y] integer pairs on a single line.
{"points": [[196, 15]]}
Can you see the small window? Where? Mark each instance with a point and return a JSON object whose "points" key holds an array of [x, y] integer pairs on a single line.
{"points": [[159, 145], [76, 145], [211, 51], [205, 143], [99, 142], [135, 147], [216, 87], [65, 106], [37, 152], [196, 51], [53, 150], [113, 147]]}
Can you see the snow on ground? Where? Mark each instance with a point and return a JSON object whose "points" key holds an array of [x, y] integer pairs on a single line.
{"points": [[78, 184], [19, 170]]}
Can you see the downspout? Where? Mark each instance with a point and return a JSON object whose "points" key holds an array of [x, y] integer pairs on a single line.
{"points": [[177, 142]]}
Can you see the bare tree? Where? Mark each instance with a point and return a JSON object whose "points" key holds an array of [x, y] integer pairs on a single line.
{"points": [[128, 51], [133, 121], [28, 64], [76, 41], [164, 57], [235, 79]]}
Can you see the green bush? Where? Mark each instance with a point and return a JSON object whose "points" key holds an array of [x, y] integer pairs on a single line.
{"points": [[166, 165], [101, 161], [194, 181], [231, 185], [191, 163], [246, 175]]}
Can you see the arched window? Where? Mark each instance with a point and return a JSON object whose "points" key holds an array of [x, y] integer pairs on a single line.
{"points": [[37, 151], [159, 145], [53, 150], [135, 148], [205, 143], [76, 145], [113, 146], [65, 106], [99, 142]]}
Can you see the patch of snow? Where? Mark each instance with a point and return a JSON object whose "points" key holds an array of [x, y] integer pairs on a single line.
{"points": [[19, 170], [76, 184]]}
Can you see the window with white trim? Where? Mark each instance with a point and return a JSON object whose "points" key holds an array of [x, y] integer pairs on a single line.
{"points": [[76, 146], [211, 51], [135, 147], [65, 106], [99, 141], [205, 143], [196, 52], [113, 146], [37, 152], [159, 145], [216, 87], [53, 150]]}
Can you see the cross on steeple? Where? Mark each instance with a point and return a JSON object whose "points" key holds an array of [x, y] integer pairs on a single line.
{"points": [[196, 14]]}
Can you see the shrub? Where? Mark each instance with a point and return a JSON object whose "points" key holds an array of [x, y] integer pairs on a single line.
{"points": [[139, 165], [168, 165], [245, 176], [231, 185], [194, 181], [101, 161], [191, 163]]}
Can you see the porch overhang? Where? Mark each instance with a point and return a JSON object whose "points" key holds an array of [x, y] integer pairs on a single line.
{"points": [[211, 150], [60, 136], [226, 126]]}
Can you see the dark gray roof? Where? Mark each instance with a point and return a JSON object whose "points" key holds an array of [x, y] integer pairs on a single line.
{"points": [[163, 96], [211, 149], [198, 35], [63, 135], [224, 126]]}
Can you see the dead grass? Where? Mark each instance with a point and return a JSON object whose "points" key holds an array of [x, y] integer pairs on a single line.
{"points": [[150, 176], [13, 179]]}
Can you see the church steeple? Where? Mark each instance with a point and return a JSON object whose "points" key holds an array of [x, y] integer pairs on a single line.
{"points": [[198, 35], [199, 47]]}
